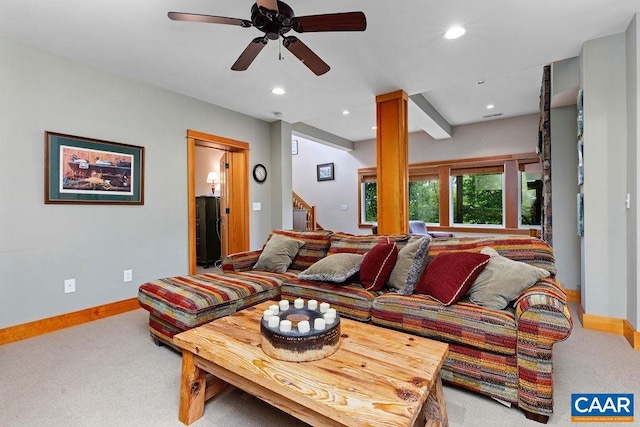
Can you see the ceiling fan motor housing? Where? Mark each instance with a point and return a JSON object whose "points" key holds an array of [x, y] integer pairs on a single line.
{"points": [[272, 23]]}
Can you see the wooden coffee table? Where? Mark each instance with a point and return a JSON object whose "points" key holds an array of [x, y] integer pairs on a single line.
{"points": [[377, 377]]}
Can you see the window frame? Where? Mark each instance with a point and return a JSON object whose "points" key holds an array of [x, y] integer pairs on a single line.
{"points": [[511, 165]]}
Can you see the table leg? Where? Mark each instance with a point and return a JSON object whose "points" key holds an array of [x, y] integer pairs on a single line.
{"points": [[192, 390], [435, 407]]}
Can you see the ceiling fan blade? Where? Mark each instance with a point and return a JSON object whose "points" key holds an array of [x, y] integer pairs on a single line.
{"points": [[195, 17], [268, 4], [306, 55], [348, 21], [249, 54]]}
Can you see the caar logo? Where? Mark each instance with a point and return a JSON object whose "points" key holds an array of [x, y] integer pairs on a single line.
{"points": [[602, 408]]}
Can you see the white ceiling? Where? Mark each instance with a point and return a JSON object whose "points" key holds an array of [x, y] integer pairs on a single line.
{"points": [[506, 44]]}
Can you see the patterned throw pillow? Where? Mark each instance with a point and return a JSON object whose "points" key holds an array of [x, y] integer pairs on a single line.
{"points": [[278, 254], [377, 265], [316, 245], [335, 268], [410, 265], [449, 276], [503, 280]]}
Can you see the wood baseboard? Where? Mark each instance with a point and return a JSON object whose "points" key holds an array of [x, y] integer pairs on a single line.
{"points": [[631, 335], [51, 324], [573, 295], [611, 325]]}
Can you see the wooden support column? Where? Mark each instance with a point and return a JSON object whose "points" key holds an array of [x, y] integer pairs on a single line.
{"points": [[392, 152]]}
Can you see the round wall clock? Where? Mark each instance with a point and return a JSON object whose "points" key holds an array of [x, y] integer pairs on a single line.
{"points": [[260, 173]]}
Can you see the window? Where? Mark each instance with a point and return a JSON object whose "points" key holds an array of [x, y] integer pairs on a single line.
{"points": [[424, 201], [531, 194], [498, 193], [477, 196]]}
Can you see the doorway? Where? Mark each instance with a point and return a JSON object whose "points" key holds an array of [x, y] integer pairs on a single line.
{"points": [[234, 193]]}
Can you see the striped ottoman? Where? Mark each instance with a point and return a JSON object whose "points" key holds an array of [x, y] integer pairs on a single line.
{"points": [[180, 303]]}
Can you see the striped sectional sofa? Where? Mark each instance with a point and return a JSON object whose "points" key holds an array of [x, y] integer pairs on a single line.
{"points": [[505, 354]]}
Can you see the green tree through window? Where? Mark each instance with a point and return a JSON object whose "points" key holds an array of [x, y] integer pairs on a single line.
{"points": [[424, 201], [477, 199]]}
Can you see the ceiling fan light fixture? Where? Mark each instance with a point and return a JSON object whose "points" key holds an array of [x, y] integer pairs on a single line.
{"points": [[278, 91], [454, 33]]}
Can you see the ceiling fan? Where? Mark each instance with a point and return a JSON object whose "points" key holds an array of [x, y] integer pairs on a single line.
{"points": [[275, 19]]}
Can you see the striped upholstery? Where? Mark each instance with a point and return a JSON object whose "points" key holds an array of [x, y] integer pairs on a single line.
{"points": [[462, 323], [350, 243], [190, 301], [241, 261], [518, 248], [316, 245], [350, 300]]}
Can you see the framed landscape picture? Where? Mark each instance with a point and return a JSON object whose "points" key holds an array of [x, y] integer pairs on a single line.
{"points": [[91, 171], [325, 172]]}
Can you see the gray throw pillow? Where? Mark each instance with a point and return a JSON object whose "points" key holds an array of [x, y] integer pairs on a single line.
{"points": [[503, 280], [409, 266], [335, 268], [278, 254]]}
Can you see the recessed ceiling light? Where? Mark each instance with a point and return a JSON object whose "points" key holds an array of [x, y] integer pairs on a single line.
{"points": [[345, 112], [490, 107], [278, 91], [374, 127], [454, 33]]}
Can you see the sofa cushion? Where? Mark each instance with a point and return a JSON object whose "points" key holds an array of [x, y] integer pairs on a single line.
{"points": [[335, 268], [518, 248], [349, 299], [462, 323], [316, 245], [350, 243], [278, 254], [377, 265], [409, 266], [190, 301], [503, 280], [449, 276]]}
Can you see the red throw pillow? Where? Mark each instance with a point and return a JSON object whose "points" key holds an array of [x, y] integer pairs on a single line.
{"points": [[450, 275], [377, 265]]}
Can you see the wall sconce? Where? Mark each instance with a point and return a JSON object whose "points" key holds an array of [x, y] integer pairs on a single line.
{"points": [[212, 178]]}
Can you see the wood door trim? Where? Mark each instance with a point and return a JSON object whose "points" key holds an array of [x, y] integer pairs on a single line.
{"points": [[240, 207]]}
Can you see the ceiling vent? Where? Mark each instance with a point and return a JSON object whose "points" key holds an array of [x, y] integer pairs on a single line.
{"points": [[489, 116]]}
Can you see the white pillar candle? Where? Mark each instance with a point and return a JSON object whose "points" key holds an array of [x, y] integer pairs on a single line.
{"points": [[267, 314], [298, 303], [329, 318], [285, 326], [275, 308], [332, 311], [274, 322], [324, 307], [284, 305], [312, 304], [304, 327], [319, 324]]}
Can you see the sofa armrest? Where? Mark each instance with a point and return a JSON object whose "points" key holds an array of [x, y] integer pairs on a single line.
{"points": [[543, 318], [240, 261]]}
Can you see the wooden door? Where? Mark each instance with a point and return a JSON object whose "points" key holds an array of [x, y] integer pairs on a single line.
{"points": [[224, 206]]}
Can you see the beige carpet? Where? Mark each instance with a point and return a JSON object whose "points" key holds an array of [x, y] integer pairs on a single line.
{"points": [[109, 373]]}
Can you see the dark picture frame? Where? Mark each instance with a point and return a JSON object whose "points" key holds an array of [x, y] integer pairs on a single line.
{"points": [[81, 170], [325, 172]]}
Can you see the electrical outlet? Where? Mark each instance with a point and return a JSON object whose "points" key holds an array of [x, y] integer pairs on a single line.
{"points": [[128, 275], [69, 286]]}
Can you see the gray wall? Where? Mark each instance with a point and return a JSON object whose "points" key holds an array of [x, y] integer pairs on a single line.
{"points": [[604, 282], [564, 175], [42, 245], [633, 116]]}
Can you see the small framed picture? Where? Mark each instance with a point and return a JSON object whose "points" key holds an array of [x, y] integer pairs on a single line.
{"points": [[294, 146], [325, 172], [580, 163], [580, 209]]}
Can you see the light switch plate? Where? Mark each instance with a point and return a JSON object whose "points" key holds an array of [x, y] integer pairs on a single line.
{"points": [[257, 206]]}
